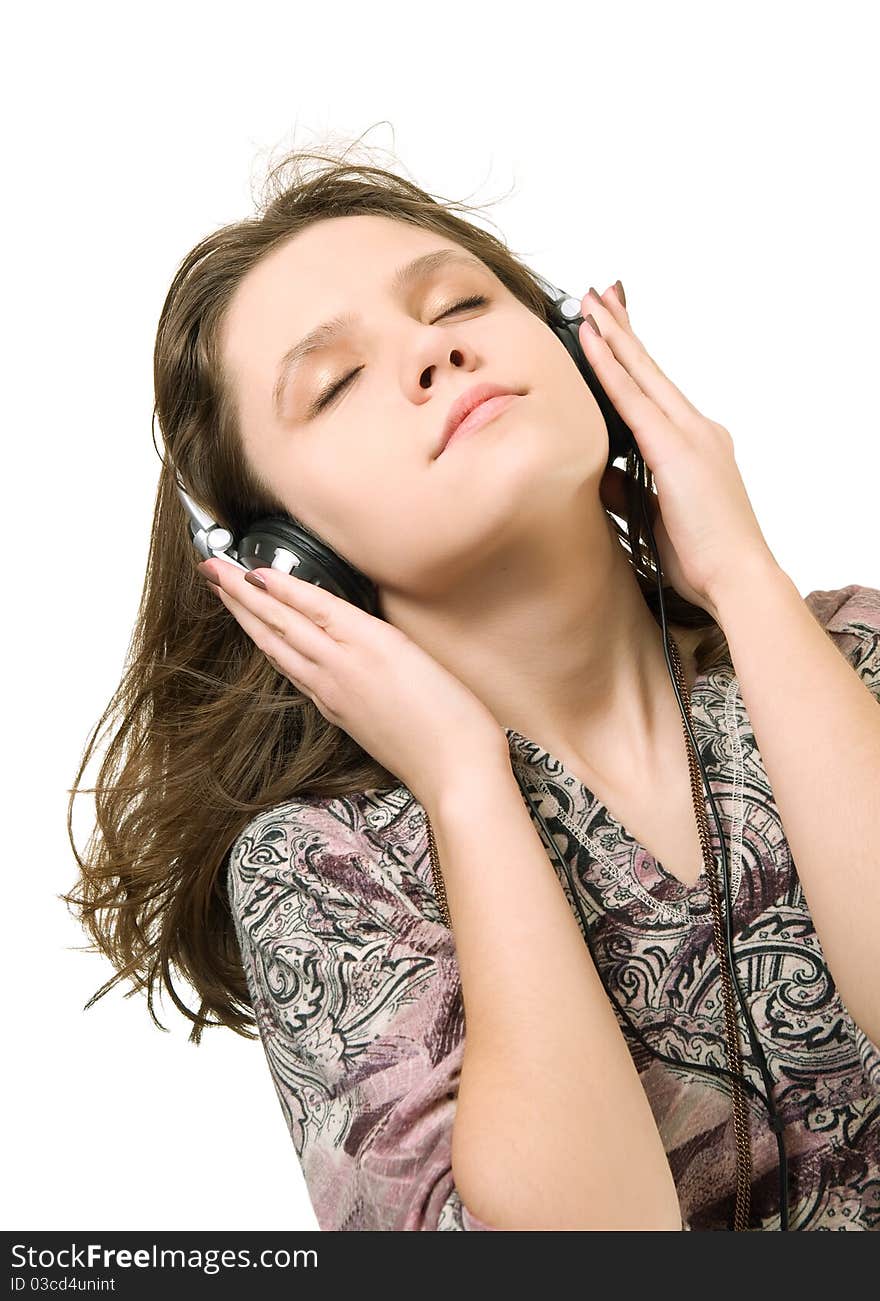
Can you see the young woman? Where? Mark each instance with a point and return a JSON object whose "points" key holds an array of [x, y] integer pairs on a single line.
{"points": [[318, 816]]}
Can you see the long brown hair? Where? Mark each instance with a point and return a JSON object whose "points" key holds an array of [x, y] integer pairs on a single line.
{"points": [[204, 732]]}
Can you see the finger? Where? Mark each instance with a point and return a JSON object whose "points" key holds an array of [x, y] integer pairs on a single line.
{"points": [[254, 607], [310, 608], [655, 433], [610, 300], [300, 668], [634, 356]]}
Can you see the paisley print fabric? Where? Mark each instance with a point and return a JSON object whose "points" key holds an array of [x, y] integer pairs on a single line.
{"points": [[355, 985]]}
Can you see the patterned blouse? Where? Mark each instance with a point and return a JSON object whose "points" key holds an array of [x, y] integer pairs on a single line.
{"points": [[356, 992]]}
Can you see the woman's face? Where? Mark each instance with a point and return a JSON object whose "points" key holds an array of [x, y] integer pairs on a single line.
{"points": [[363, 472]]}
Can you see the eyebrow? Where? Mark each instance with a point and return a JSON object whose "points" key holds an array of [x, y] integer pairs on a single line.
{"points": [[323, 335]]}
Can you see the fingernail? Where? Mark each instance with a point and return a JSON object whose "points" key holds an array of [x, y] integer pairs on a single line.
{"points": [[592, 324], [618, 289], [595, 293], [251, 577]]}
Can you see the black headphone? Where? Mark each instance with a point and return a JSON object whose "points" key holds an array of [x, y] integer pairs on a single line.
{"points": [[278, 543]]}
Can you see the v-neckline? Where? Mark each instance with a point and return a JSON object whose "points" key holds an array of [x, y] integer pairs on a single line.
{"points": [[683, 889]]}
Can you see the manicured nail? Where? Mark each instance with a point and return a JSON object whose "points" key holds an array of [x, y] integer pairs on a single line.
{"points": [[251, 577], [592, 324], [618, 289]]}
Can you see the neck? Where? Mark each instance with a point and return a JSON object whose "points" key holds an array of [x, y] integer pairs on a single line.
{"points": [[565, 652]]}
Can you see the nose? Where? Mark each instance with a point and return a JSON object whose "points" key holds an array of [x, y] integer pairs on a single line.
{"points": [[455, 358]]}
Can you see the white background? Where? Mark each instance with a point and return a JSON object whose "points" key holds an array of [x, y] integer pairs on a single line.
{"points": [[719, 159]]}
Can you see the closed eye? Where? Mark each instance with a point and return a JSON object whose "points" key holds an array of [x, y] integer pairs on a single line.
{"points": [[476, 300]]}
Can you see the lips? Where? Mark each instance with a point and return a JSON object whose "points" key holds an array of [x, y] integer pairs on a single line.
{"points": [[465, 403]]}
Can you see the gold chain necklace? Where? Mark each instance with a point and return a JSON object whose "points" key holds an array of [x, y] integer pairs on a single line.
{"points": [[731, 1037]]}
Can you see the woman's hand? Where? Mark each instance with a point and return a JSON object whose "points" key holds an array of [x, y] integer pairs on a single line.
{"points": [[701, 516], [367, 677]]}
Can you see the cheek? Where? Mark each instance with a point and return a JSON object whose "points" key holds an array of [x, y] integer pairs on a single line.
{"points": [[367, 496]]}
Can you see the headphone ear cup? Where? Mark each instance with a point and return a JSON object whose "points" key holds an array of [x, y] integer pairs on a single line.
{"points": [[307, 558], [620, 436]]}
